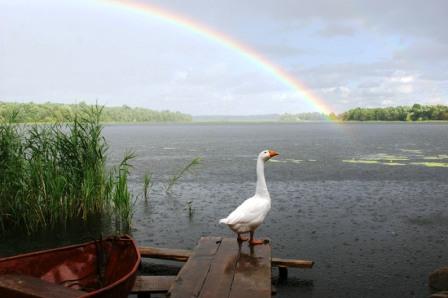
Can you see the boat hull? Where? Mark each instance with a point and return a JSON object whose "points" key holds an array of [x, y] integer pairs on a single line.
{"points": [[105, 268]]}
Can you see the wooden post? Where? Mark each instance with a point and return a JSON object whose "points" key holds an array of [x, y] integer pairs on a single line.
{"points": [[282, 272]]}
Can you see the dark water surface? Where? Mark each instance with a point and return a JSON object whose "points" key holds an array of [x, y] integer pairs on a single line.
{"points": [[366, 202]]}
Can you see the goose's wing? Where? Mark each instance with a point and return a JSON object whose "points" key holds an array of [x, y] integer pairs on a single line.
{"points": [[249, 211]]}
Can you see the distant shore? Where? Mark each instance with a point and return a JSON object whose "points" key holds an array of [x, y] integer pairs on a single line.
{"points": [[108, 123], [47, 113]]}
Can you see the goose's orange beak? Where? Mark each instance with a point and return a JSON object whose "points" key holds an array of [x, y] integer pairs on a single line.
{"points": [[272, 153]]}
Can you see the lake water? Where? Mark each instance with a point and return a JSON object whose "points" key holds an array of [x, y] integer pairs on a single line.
{"points": [[366, 202]]}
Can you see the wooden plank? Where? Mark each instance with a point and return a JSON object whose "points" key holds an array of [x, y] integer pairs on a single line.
{"points": [[191, 277], [152, 284], [165, 253], [182, 255], [253, 273], [277, 262], [220, 277], [15, 285]]}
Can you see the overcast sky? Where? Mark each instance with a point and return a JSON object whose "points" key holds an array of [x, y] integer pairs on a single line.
{"points": [[349, 53]]}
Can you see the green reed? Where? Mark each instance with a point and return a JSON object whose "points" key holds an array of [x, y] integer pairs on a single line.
{"points": [[187, 168], [147, 184], [51, 174]]}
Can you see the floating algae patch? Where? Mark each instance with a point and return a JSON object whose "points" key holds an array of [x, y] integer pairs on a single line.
{"points": [[393, 163], [431, 164], [277, 161], [294, 160], [361, 161], [415, 151], [384, 156], [288, 160], [378, 162], [436, 157], [431, 157]]}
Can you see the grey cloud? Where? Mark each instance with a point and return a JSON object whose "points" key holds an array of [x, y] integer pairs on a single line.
{"points": [[283, 50], [411, 17], [337, 29], [425, 51]]}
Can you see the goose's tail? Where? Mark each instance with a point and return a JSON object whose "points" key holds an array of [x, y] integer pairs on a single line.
{"points": [[223, 221]]}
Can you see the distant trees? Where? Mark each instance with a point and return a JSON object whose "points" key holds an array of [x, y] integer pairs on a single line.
{"points": [[303, 117], [417, 112], [401, 113], [52, 112]]}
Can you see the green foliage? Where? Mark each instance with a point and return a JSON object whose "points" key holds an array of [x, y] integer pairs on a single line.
{"points": [[401, 113], [52, 112], [173, 179], [51, 174]]}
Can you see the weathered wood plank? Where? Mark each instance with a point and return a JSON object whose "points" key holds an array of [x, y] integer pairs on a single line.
{"points": [[276, 262], [253, 273], [15, 285], [182, 255], [165, 253], [152, 284], [191, 277], [220, 277]]}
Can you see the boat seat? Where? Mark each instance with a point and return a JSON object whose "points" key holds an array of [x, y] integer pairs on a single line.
{"points": [[18, 286]]}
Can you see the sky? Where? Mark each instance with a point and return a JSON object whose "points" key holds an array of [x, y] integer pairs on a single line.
{"points": [[351, 53]]}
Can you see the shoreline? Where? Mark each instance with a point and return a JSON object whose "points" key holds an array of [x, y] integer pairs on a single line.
{"points": [[250, 122]]}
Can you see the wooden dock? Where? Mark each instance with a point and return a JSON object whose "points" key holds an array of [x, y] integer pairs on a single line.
{"points": [[217, 267], [220, 267]]}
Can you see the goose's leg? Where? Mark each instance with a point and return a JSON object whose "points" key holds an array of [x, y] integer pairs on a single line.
{"points": [[241, 239], [253, 241]]}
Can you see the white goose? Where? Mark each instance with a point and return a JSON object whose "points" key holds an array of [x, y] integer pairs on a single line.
{"points": [[252, 212]]}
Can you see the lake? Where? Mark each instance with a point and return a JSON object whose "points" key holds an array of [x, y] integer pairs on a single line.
{"points": [[366, 202]]}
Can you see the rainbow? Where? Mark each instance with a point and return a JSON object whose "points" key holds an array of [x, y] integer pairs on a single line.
{"points": [[245, 51]]}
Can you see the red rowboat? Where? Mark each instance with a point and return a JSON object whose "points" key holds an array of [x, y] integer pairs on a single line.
{"points": [[103, 268]]}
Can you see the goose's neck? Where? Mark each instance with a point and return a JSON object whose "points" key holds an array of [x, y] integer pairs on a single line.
{"points": [[262, 189]]}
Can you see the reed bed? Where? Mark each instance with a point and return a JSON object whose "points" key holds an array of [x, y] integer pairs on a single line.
{"points": [[52, 174]]}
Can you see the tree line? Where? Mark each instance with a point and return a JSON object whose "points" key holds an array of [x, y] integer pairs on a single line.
{"points": [[54, 112], [417, 112]]}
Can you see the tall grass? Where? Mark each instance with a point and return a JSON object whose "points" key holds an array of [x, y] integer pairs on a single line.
{"points": [[50, 174]]}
